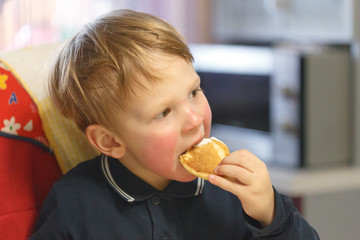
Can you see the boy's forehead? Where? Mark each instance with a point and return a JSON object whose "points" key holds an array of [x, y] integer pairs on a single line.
{"points": [[161, 73], [165, 72], [147, 92]]}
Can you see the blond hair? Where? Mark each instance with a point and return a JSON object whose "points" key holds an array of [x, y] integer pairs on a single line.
{"points": [[96, 71]]}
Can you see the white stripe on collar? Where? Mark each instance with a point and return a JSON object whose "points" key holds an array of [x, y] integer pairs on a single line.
{"points": [[200, 186], [106, 170]]}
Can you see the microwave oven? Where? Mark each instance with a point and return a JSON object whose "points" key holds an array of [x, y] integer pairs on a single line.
{"points": [[290, 106]]}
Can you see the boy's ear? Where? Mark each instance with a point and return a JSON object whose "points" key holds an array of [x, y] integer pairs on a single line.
{"points": [[105, 141]]}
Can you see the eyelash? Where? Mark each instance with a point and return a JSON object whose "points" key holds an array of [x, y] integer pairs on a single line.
{"points": [[163, 114], [194, 92]]}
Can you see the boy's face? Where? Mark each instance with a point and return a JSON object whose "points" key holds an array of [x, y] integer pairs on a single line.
{"points": [[163, 121]]}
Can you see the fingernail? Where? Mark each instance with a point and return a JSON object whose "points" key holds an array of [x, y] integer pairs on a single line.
{"points": [[211, 177], [216, 169]]}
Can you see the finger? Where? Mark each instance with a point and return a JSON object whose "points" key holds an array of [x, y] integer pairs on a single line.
{"points": [[242, 158], [240, 174], [228, 185]]}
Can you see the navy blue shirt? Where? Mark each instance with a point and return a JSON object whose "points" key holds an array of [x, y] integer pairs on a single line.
{"points": [[101, 199]]}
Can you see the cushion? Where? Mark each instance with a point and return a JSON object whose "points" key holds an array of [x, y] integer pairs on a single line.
{"points": [[29, 66]]}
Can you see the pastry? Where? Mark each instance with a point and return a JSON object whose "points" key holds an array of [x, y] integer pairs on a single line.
{"points": [[201, 159]]}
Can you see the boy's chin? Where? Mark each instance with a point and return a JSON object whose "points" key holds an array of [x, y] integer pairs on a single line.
{"points": [[182, 175], [187, 178]]}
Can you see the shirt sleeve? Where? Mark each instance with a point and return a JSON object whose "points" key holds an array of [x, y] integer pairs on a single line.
{"points": [[49, 225], [287, 224]]}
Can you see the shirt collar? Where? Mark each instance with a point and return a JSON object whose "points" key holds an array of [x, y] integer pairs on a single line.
{"points": [[131, 188]]}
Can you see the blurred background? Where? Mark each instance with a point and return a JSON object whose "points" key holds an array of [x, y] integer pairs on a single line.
{"points": [[29, 22], [282, 78]]}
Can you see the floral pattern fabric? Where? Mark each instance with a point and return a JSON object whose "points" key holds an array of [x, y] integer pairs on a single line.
{"points": [[19, 114]]}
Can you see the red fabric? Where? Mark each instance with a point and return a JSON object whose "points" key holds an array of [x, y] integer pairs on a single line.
{"points": [[19, 114], [26, 175], [27, 170]]}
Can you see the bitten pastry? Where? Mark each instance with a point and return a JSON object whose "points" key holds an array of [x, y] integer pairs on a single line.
{"points": [[202, 158]]}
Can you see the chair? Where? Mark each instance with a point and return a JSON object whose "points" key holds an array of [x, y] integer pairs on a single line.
{"points": [[37, 144]]}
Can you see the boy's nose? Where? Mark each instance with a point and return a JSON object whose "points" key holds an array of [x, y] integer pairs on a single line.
{"points": [[192, 119]]}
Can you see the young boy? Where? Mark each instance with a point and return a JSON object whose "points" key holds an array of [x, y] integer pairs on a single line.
{"points": [[127, 80]]}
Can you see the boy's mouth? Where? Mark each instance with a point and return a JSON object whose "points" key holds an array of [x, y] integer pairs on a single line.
{"points": [[195, 143], [183, 153]]}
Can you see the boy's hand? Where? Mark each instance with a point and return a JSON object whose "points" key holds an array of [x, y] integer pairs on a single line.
{"points": [[246, 176]]}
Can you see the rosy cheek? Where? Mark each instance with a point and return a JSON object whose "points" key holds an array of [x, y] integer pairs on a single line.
{"points": [[160, 151], [207, 119]]}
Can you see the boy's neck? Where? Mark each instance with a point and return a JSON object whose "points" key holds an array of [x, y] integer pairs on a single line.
{"points": [[158, 182]]}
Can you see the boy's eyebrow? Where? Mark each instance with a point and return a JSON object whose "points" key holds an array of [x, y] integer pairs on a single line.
{"points": [[195, 83], [197, 80], [165, 102]]}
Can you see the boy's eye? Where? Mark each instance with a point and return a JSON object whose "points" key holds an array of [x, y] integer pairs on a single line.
{"points": [[163, 114], [195, 92]]}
